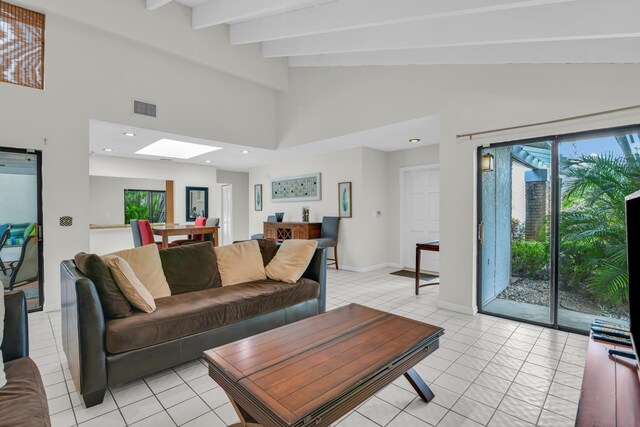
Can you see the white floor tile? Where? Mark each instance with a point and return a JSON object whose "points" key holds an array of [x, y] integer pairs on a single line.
{"points": [[63, 419], [551, 419], [453, 419], [110, 419], [161, 419], [175, 395], [405, 420], [379, 411], [357, 420], [141, 410], [430, 412], [396, 396], [473, 410], [520, 409], [484, 363]]}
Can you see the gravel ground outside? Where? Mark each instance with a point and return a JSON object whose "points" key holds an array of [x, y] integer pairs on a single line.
{"points": [[536, 292]]}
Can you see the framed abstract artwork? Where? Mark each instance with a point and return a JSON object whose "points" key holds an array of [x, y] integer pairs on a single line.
{"points": [[296, 188], [344, 199], [257, 197]]}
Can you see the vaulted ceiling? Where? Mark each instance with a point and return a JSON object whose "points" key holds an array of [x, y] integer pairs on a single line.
{"points": [[401, 32]]}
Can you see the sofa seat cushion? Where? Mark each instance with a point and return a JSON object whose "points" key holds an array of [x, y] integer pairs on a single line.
{"points": [[23, 401], [190, 313]]}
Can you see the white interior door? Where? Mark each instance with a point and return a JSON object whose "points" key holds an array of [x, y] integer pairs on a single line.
{"points": [[226, 234], [421, 220]]}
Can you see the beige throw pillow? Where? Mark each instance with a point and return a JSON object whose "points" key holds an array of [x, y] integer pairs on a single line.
{"points": [[3, 377], [240, 262], [134, 291], [291, 260], [145, 263]]}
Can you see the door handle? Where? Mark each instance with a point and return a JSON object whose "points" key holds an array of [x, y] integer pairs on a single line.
{"points": [[481, 232]]}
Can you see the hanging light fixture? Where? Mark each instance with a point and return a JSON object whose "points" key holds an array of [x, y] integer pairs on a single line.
{"points": [[487, 163]]}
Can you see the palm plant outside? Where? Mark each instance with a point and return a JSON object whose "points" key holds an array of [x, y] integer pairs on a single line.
{"points": [[592, 222]]}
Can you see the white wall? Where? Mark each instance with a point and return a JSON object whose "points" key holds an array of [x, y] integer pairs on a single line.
{"points": [[182, 175], [106, 195], [240, 205], [19, 201], [335, 167], [169, 29], [326, 102], [94, 74], [366, 241], [420, 156]]}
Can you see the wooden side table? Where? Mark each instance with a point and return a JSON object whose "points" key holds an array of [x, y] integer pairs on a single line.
{"points": [[434, 246]]}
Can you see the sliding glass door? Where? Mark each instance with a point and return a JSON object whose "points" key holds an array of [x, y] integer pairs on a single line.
{"points": [[515, 226], [552, 246], [596, 173]]}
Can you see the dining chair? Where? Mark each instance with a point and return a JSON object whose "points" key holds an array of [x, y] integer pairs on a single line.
{"points": [[25, 270], [135, 230], [147, 236], [5, 229], [195, 238], [329, 236], [270, 218], [211, 222]]}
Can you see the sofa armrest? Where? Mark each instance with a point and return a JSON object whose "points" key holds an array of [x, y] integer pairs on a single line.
{"points": [[317, 270], [15, 343], [83, 333]]}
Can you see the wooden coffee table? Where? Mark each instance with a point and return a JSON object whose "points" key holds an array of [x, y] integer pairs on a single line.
{"points": [[314, 371]]}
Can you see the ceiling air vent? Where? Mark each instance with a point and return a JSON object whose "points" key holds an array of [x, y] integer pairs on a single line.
{"points": [[144, 108]]}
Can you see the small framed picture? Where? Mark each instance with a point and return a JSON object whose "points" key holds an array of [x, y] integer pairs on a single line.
{"points": [[344, 199], [257, 197]]}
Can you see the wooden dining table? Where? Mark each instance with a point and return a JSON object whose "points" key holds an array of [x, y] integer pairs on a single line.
{"points": [[183, 230]]}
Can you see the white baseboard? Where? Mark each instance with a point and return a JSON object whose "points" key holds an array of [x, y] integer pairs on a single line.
{"points": [[471, 311], [370, 267]]}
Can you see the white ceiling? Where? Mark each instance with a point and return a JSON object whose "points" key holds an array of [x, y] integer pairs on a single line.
{"points": [[386, 138], [400, 32]]}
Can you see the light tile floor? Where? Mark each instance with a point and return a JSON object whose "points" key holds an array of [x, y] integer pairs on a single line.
{"points": [[488, 371]]}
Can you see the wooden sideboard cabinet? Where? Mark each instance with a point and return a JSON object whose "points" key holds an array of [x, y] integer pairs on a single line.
{"points": [[281, 231]]}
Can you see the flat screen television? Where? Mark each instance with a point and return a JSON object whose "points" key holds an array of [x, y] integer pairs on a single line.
{"points": [[633, 261]]}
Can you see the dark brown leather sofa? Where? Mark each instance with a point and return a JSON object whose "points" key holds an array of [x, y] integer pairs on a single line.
{"points": [[23, 401], [105, 352]]}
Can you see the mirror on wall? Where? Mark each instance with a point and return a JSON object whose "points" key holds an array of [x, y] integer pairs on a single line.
{"points": [[197, 202]]}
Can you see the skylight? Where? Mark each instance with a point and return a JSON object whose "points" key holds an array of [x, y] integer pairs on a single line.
{"points": [[176, 149]]}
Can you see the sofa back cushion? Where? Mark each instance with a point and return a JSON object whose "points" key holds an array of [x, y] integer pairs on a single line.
{"points": [[114, 303], [145, 263], [268, 249], [191, 268], [291, 260], [130, 285], [240, 263]]}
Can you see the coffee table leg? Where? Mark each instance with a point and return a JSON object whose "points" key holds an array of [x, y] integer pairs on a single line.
{"points": [[246, 420], [419, 385]]}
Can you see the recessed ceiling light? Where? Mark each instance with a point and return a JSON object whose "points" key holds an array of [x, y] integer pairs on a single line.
{"points": [[207, 161], [176, 149], [414, 140], [108, 150], [245, 151], [129, 134]]}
